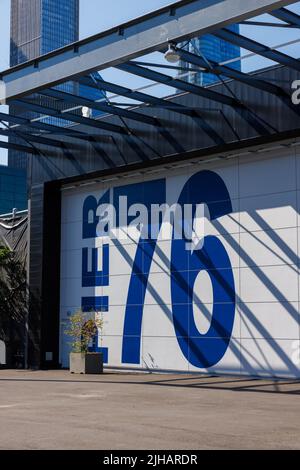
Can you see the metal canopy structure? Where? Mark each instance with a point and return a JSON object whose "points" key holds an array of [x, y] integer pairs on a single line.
{"points": [[57, 119]]}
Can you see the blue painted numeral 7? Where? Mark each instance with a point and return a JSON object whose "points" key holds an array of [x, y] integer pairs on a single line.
{"points": [[149, 192], [135, 302]]}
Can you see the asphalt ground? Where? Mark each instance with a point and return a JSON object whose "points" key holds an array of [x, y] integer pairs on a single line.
{"points": [[57, 410]]}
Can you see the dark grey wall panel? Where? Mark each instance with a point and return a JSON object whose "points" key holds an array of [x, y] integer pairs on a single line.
{"points": [[35, 274]]}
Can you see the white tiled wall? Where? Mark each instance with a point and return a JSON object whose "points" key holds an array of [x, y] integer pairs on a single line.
{"points": [[262, 239]]}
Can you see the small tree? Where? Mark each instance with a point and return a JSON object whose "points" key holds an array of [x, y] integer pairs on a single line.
{"points": [[82, 329]]}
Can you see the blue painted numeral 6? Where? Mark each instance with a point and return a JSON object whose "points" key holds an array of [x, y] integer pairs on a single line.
{"points": [[203, 350]]}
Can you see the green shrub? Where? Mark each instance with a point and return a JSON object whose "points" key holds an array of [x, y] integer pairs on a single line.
{"points": [[82, 329]]}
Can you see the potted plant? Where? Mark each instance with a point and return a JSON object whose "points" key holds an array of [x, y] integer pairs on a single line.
{"points": [[82, 330]]}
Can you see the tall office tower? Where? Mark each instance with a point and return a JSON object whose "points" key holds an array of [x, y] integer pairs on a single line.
{"points": [[212, 49], [39, 27]]}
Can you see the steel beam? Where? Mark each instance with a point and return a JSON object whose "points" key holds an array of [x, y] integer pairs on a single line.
{"points": [[19, 124], [131, 67], [288, 16], [258, 48], [154, 101], [67, 116], [266, 24], [38, 125], [177, 22], [217, 69], [106, 108], [239, 76], [134, 95], [31, 137], [238, 106], [19, 148]]}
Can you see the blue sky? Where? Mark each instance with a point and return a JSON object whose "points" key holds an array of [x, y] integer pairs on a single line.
{"points": [[98, 15]]}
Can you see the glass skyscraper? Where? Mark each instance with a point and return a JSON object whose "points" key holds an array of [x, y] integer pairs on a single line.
{"points": [[212, 49], [39, 27], [13, 190]]}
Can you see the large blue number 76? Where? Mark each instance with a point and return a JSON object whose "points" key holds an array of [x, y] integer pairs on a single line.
{"points": [[201, 350]]}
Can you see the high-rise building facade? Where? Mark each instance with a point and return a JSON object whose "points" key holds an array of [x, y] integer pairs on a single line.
{"points": [[13, 191], [39, 27], [212, 49]]}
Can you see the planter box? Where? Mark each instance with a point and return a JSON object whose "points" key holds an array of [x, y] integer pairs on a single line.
{"points": [[90, 363]]}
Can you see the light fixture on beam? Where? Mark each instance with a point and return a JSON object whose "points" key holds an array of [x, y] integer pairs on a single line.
{"points": [[172, 55]]}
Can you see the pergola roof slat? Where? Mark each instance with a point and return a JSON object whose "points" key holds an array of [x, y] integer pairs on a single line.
{"points": [[286, 15], [258, 48], [106, 108], [131, 67], [70, 117], [230, 73]]}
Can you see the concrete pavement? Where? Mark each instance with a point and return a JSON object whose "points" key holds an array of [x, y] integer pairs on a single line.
{"points": [[56, 410]]}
